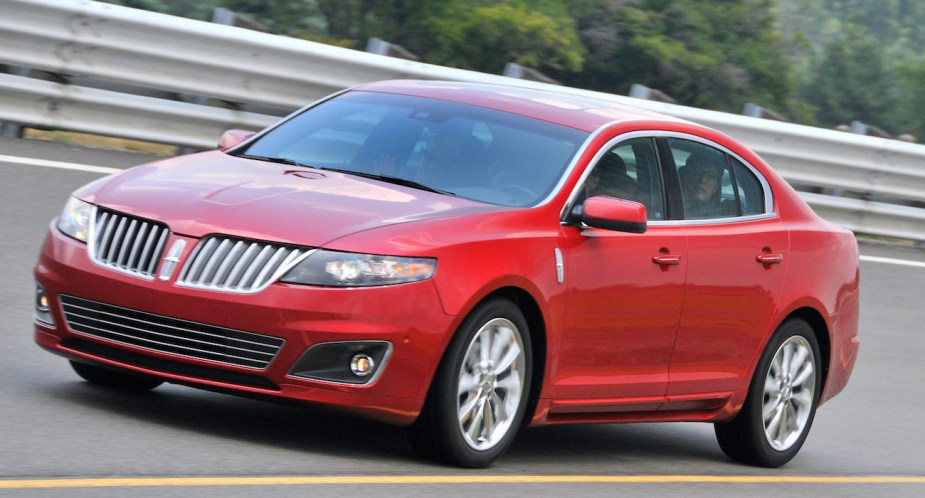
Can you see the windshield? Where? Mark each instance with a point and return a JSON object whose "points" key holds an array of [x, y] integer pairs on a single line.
{"points": [[467, 151]]}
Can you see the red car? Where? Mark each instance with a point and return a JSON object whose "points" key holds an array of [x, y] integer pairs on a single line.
{"points": [[465, 260]]}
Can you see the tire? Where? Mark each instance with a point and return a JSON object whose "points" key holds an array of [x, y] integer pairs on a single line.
{"points": [[479, 394], [125, 381], [781, 403]]}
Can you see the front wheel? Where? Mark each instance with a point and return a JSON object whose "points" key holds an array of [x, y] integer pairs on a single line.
{"points": [[781, 404], [478, 397]]}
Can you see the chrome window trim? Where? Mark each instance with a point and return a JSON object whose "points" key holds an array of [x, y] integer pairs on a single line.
{"points": [[714, 221], [576, 190], [765, 185], [768, 193], [573, 164]]}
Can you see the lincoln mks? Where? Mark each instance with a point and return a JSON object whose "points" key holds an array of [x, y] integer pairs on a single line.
{"points": [[465, 260]]}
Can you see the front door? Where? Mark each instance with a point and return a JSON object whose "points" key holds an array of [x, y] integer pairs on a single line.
{"points": [[624, 294]]}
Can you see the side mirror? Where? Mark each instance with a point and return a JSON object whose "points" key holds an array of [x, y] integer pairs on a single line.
{"points": [[611, 213], [232, 138]]}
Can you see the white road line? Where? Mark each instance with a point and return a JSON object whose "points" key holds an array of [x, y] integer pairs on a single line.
{"points": [[892, 261], [88, 168]]}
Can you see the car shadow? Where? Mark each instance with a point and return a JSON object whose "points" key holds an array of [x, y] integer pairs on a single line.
{"points": [[236, 418], [338, 435], [661, 442]]}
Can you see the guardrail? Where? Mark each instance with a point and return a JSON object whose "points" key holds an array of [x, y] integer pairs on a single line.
{"points": [[247, 68], [66, 107]]}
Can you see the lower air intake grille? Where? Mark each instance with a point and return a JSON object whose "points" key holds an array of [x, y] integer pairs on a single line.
{"points": [[170, 335]]}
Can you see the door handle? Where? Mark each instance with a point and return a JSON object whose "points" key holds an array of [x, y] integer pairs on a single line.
{"points": [[770, 259], [666, 260]]}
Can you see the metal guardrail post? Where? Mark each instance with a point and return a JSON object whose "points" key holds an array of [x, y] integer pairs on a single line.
{"points": [[643, 92], [757, 111], [379, 46], [862, 128], [14, 129], [515, 70], [228, 17]]}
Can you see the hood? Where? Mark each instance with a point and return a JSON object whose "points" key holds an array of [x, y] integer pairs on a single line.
{"points": [[212, 192]]}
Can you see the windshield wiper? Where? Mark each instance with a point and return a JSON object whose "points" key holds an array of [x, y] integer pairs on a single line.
{"points": [[277, 160], [404, 182], [383, 178]]}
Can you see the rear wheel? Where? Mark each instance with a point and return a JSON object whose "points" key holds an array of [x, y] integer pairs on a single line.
{"points": [[781, 404], [113, 378], [477, 401]]}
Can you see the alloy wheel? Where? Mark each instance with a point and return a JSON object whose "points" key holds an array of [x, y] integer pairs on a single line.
{"points": [[491, 382], [789, 392]]}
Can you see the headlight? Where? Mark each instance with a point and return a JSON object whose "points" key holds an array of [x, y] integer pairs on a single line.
{"points": [[344, 269], [75, 219]]}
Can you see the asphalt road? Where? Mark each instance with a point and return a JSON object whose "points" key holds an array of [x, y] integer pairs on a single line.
{"points": [[54, 426]]}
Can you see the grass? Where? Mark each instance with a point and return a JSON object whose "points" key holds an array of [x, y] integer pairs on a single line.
{"points": [[100, 142]]}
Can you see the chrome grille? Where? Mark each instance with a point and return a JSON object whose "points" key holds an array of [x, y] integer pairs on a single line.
{"points": [[169, 335], [238, 265], [126, 244]]}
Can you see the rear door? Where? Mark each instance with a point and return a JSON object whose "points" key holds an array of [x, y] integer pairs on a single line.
{"points": [[736, 263]]}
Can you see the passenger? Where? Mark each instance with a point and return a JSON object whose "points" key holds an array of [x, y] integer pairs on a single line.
{"points": [[701, 178]]}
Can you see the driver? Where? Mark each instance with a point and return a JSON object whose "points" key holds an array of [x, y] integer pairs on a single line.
{"points": [[445, 163], [609, 177]]}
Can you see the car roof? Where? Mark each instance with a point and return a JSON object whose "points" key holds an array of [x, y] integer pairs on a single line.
{"points": [[576, 111]]}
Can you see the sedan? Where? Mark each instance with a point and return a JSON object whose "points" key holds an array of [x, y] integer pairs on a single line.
{"points": [[465, 260]]}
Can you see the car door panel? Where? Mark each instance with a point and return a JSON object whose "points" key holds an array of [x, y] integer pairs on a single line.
{"points": [[623, 310], [729, 301]]}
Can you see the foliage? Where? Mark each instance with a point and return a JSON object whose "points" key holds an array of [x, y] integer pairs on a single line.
{"points": [[861, 60], [909, 117], [200, 9], [487, 35], [824, 62], [279, 16], [852, 81], [716, 54]]}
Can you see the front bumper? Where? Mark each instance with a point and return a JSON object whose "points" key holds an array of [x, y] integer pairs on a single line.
{"points": [[409, 318]]}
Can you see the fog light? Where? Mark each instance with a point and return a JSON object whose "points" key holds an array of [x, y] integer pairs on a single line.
{"points": [[346, 362], [42, 308], [362, 365]]}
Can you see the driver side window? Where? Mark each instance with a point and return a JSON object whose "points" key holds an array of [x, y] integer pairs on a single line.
{"points": [[629, 170]]}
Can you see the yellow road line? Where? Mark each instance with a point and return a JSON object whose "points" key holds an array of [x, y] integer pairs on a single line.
{"points": [[460, 479]]}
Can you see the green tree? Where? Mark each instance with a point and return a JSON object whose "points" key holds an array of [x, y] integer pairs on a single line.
{"points": [[473, 34], [405, 22], [487, 35], [911, 88], [708, 53], [853, 82]]}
